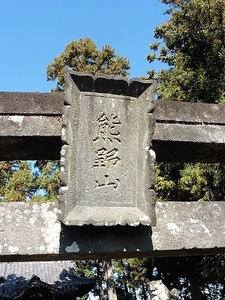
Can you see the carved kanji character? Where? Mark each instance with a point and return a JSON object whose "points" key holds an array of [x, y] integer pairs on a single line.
{"points": [[107, 183], [108, 128], [106, 158]]}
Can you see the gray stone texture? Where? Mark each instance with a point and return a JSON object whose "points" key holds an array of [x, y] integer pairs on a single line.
{"points": [[189, 132], [188, 112], [30, 125], [107, 163], [29, 228], [177, 123], [12, 103], [33, 232]]}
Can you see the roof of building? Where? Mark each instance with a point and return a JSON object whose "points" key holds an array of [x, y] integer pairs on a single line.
{"points": [[22, 280]]}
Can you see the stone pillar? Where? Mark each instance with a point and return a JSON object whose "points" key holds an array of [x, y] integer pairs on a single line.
{"points": [[107, 164]]}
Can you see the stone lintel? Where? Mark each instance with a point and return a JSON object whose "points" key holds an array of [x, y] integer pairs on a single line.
{"points": [[12, 103], [165, 111], [30, 137], [23, 125], [176, 123], [175, 142], [189, 132], [30, 125], [188, 112], [33, 232]]}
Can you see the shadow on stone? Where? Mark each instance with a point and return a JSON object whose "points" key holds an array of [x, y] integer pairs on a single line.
{"points": [[111, 242]]}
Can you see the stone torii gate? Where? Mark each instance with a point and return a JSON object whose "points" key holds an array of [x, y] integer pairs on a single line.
{"points": [[31, 128]]}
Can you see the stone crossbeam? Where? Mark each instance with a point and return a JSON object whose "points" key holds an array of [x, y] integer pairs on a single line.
{"points": [[33, 232], [189, 132], [30, 125], [184, 132]]}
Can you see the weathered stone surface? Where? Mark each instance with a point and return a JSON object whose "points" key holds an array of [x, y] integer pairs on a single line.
{"points": [[189, 143], [107, 162], [188, 112], [169, 143], [30, 137], [183, 228], [29, 228], [31, 103], [189, 226], [189, 132], [33, 232], [30, 125], [22, 125]]}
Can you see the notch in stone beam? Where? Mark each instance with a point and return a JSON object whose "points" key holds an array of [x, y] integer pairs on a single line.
{"points": [[107, 164]]}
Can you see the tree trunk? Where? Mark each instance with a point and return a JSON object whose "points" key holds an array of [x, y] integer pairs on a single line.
{"points": [[109, 280], [196, 293]]}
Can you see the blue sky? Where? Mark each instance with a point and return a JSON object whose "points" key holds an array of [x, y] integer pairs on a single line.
{"points": [[34, 32]]}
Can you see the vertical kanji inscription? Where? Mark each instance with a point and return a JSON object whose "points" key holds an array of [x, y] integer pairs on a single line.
{"points": [[108, 129]]}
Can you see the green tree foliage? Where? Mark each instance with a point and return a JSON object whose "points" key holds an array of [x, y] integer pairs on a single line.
{"points": [[47, 180], [83, 55], [192, 44], [190, 182], [130, 277], [16, 181], [29, 181]]}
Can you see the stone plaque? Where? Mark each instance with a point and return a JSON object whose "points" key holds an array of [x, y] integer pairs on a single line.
{"points": [[107, 164]]}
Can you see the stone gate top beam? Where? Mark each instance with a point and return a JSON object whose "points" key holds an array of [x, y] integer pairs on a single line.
{"points": [[30, 125], [189, 113], [12, 103], [188, 132]]}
